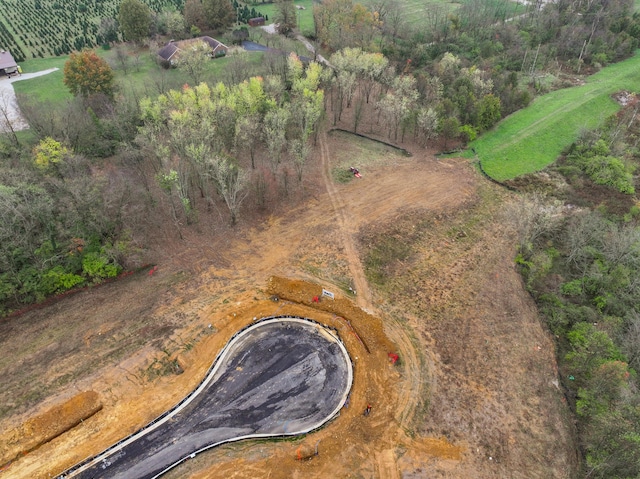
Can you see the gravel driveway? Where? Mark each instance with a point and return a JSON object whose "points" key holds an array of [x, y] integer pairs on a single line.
{"points": [[9, 111]]}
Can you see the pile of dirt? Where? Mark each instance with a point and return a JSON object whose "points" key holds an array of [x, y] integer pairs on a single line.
{"points": [[48, 425], [364, 326]]}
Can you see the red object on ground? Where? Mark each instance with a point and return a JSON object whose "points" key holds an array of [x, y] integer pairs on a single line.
{"points": [[316, 299], [393, 357], [153, 270], [355, 172]]}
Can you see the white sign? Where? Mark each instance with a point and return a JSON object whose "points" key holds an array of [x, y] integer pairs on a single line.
{"points": [[328, 293]]}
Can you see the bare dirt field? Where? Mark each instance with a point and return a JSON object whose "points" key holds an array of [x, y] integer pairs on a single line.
{"points": [[422, 241]]}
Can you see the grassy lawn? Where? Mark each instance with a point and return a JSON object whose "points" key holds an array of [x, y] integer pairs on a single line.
{"points": [[47, 88], [305, 17], [143, 76], [533, 138], [414, 10]]}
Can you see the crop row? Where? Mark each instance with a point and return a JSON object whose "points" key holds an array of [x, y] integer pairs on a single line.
{"points": [[8, 42], [40, 28]]}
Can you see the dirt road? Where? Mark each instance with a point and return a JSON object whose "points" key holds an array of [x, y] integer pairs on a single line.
{"points": [[9, 111], [345, 224]]}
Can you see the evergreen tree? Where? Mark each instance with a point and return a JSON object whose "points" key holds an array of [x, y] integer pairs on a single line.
{"points": [[135, 20]]}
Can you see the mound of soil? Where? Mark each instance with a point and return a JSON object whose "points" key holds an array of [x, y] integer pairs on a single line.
{"points": [[48, 425]]}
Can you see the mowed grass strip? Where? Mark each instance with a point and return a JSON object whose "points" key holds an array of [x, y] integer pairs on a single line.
{"points": [[534, 137]]}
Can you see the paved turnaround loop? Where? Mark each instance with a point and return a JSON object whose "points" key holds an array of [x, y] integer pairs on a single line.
{"points": [[280, 376]]}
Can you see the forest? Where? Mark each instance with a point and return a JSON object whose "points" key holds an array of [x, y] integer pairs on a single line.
{"points": [[96, 177]]}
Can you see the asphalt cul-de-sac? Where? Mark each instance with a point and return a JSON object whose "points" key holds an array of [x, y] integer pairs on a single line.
{"points": [[282, 376]]}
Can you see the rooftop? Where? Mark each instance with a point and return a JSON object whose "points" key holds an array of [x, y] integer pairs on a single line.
{"points": [[6, 60]]}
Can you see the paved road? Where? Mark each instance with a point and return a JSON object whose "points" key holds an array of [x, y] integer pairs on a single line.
{"points": [[9, 103], [279, 377]]}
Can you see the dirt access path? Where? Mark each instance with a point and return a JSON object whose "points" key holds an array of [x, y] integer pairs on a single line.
{"points": [[385, 461], [473, 395], [363, 295]]}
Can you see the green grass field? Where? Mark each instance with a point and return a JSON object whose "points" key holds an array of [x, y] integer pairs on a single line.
{"points": [[416, 11], [413, 10], [305, 17], [534, 137]]}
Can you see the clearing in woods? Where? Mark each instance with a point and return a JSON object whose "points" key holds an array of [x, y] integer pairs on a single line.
{"points": [[474, 393]]}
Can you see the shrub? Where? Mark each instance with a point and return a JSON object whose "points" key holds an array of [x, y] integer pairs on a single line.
{"points": [[590, 348], [610, 171], [468, 133], [57, 280], [342, 175], [572, 288], [97, 266]]}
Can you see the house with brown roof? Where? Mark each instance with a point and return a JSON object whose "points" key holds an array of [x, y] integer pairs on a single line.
{"points": [[8, 65], [171, 51]]}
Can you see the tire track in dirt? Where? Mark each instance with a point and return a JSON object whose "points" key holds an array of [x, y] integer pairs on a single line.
{"points": [[406, 403], [363, 297], [386, 463]]}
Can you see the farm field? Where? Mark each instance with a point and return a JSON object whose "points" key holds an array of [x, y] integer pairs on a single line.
{"points": [[414, 11], [533, 138], [38, 29]]}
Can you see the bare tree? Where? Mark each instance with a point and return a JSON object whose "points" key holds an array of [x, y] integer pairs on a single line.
{"points": [[231, 182], [43, 121], [237, 69], [122, 58], [193, 60], [531, 217], [394, 20], [275, 125], [300, 150], [631, 340], [437, 21], [247, 135]]}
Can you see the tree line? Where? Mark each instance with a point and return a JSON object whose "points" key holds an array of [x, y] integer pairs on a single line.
{"points": [[581, 263]]}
